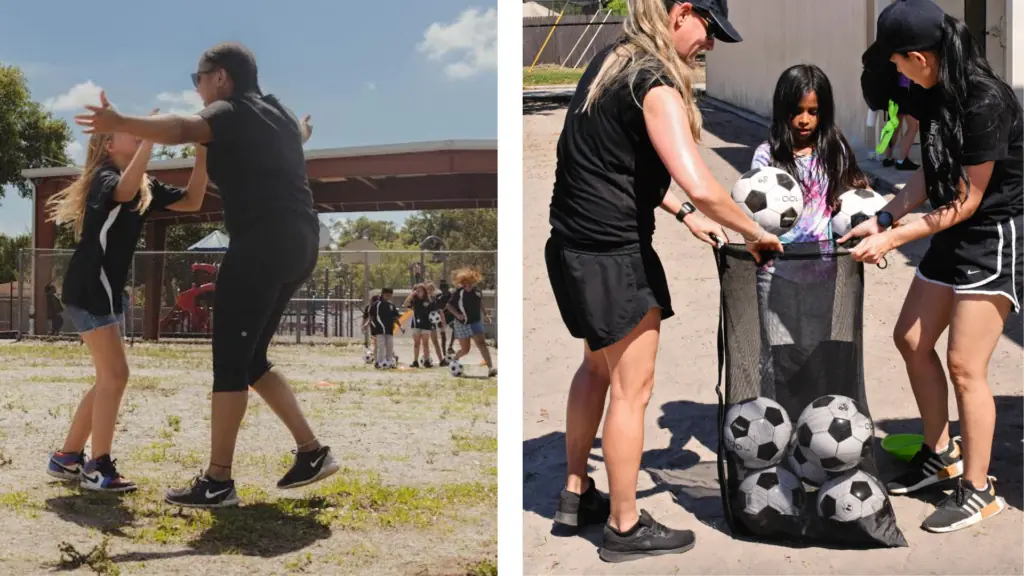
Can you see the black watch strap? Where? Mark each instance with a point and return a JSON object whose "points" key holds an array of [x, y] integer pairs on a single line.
{"points": [[685, 211]]}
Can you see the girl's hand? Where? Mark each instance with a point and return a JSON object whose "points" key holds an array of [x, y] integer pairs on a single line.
{"points": [[702, 229], [872, 248], [866, 228], [306, 127], [103, 120], [767, 243]]}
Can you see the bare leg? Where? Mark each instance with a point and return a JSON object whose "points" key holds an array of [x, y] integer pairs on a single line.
{"points": [[481, 345], [274, 389], [631, 370], [415, 347], [108, 356], [463, 348], [81, 424], [907, 140], [437, 346], [225, 419], [583, 412], [974, 331]]}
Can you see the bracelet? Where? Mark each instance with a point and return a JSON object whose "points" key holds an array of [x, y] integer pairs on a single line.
{"points": [[759, 238]]}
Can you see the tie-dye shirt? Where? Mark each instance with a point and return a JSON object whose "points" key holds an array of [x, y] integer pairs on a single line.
{"points": [[814, 223]]}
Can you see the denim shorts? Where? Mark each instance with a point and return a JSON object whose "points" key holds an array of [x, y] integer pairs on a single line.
{"points": [[86, 322]]}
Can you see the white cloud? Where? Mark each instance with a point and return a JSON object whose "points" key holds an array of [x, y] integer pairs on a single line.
{"points": [[370, 86], [184, 103], [76, 98], [76, 151], [469, 44]]}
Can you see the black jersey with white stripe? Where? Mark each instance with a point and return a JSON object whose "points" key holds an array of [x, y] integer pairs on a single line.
{"points": [[469, 303], [421, 310], [98, 270], [385, 315]]}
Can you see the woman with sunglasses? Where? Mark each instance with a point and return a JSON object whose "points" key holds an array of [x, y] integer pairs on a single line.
{"points": [[631, 129], [255, 158]]}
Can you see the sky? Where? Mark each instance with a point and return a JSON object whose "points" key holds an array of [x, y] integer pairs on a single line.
{"points": [[368, 72]]}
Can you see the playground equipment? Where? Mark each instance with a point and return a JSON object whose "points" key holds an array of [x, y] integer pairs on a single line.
{"points": [[187, 315]]}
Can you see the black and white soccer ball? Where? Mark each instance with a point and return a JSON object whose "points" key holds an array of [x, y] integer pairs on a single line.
{"points": [[771, 197], [855, 206], [834, 431], [435, 318], [772, 491], [455, 367], [850, 497], [757, 431], [806, 467], [368, 356]]}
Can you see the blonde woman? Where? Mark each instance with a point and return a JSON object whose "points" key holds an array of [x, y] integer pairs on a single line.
{"points": [[466, 304], [107, 206], [631, 129]]}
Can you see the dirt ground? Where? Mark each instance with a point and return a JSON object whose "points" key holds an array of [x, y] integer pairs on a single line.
{"points": [[678, 480], [416, 495]]}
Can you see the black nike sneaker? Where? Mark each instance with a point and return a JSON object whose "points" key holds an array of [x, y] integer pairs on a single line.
{"points": [[204, 492], [907, 165], [966, 506], [415, 364], [928, 468], [647, 538], [309, 467], [577, 510]]}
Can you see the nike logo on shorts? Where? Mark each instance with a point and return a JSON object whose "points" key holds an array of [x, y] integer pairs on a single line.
{"points": [[218, 493], [972, 272]]}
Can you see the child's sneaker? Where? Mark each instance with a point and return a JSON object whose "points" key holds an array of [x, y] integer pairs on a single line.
{"points": [[427, 363], [204, 492], [928, 468], [444, 362], [415, 364], [493, 373], [966, 506], [66, 466], [102, 476]]}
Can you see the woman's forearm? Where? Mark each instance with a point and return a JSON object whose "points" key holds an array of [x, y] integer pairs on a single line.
{"points": [[167, 129], [932, 223], [909, 198], [719, 206], [196, 191]]}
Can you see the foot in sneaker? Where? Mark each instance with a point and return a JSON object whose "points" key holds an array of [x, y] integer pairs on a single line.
{"points": [[309, 467], [646, 538], [493, 373], [888, 162], [928, 468], [101, 475], [66, 465], [204, 492], [966, 506], [906, 164], [578, 510], [443, 363]]}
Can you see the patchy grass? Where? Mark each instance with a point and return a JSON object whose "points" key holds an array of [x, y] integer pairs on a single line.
{"points": [[474, 442], [551, 75]]}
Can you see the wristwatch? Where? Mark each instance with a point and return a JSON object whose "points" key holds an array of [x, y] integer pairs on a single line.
{"points": [[685, 211], [884, 219]]}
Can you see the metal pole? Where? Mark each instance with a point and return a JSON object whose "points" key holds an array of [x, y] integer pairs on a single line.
{"points": [[551, 33], [578, 40], [591, 43], [21, 278], [327, 305]]}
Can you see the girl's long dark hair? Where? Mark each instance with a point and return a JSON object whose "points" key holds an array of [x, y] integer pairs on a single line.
{"points": [[835, 155], [962, 71]]}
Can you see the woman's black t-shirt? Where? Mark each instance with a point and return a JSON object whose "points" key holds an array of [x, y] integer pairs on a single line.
{"points": [[469, 303], [98, 270], [421, 310], [609, 179], [992, 131], [441, 303]]}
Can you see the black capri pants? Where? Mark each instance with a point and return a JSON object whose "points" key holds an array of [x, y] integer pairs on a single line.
{"points": [[261, 271]]}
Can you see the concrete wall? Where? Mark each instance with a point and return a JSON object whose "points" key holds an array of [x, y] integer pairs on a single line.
{"points": [[1014, 31]]}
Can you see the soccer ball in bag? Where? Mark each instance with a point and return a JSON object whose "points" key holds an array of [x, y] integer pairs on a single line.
{"points": [[435, 318], [368, 356], [771, 197], [833, 431], [758, 431], [772, 490], [850, 497], [855, 206], [807, 468], [455, 368]]}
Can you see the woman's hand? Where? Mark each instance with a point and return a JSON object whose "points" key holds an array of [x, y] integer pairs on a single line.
{"points": [[768, 242], [103, 120], [306, 127], [873, 247], [702, 229], [865, 229]]}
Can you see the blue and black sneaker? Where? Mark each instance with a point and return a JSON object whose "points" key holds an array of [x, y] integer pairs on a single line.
{"points": [[65, 466]]}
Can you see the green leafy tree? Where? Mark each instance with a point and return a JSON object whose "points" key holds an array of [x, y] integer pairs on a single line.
{"points": [[9, 248], [379, 232], [617, 7], [30, 137], [458, 229]]}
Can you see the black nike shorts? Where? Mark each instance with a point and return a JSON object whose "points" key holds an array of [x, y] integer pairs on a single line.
{"points": [[603, 296], [260, 273], [978, 260]]}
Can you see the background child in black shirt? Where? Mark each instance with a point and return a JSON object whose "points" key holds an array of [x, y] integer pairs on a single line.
{"points": [[385, 314], [441, 325], [467, 306], [421, 306], [441, 301]]}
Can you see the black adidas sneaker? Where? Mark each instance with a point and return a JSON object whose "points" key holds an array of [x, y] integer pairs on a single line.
{"points": [[647, 538], [309, 467], [204, 492], [576, 510], [928, 468], [966, 506]]}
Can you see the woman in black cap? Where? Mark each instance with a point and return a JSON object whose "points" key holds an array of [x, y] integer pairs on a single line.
{"points": [[970, 278], [631, 128], [256, 160]]}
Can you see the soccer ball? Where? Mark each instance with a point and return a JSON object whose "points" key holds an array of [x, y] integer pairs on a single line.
{"points": [[850, 497], [455, 368], [833, 431], [758, 431], [435, 318], [855, 206], [806, 467], [772, 490], [368, 356], [771, 197]]}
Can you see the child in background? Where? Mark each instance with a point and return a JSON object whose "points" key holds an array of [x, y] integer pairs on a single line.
{"points": [[441, 302], [902, 98], [385, 314], [419, 302], [466, 305], [442, 325], [54, 309], [370, 327]]}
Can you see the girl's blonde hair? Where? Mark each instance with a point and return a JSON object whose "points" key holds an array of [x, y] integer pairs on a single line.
{"points": [[68, 205], [463, 275], [431, 289], [646, 46], [412, 295]]}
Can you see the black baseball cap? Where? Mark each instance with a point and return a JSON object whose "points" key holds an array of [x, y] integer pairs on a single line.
{"points": [[718, 11], [237, 60], [906, 26]]}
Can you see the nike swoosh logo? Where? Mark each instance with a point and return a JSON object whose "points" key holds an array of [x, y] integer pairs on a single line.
{"points": [[972, 272], [314, 463], [93, 480], [218, 493]]}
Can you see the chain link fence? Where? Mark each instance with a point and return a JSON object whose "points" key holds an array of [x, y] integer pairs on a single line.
{"points": [[171, 294]]}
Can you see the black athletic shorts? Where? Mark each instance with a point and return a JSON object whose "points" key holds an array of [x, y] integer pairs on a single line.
{"points": [[980, 260], [603, 296], [260, 273]]}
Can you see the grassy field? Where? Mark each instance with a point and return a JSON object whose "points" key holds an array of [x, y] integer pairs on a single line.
{"points": [[552, 75], [416, 495]]}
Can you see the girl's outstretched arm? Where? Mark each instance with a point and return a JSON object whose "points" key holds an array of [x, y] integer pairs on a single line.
{"points": [[131, 179], [196, 190]]}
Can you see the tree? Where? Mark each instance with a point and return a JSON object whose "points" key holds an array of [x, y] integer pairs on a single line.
{"points": [[30, 137], [169, 152], [459, 229], [380, 232], [9, 248], [617, 7]]}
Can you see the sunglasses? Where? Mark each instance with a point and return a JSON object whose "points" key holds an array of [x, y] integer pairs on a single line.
{"points": [[197, 75], [710, 28]]}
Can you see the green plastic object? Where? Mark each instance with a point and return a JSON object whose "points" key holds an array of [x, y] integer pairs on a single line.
{"points": [[903, 446], [890, 127]]}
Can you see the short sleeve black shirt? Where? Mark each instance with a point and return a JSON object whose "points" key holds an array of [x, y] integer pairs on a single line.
{"points": [[992, 131], [421, 310], [256, 161], [98, 269], [609, 179], [386, 314], [469, 303]]}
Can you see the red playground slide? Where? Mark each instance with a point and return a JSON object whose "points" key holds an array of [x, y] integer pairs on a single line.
{"points": [[185, 311]]}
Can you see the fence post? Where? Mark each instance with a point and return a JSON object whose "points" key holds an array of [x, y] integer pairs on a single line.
{"points": [[21, 279]]}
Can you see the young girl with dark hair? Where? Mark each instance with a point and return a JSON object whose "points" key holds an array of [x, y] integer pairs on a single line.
{"points": [[969, 279]]}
